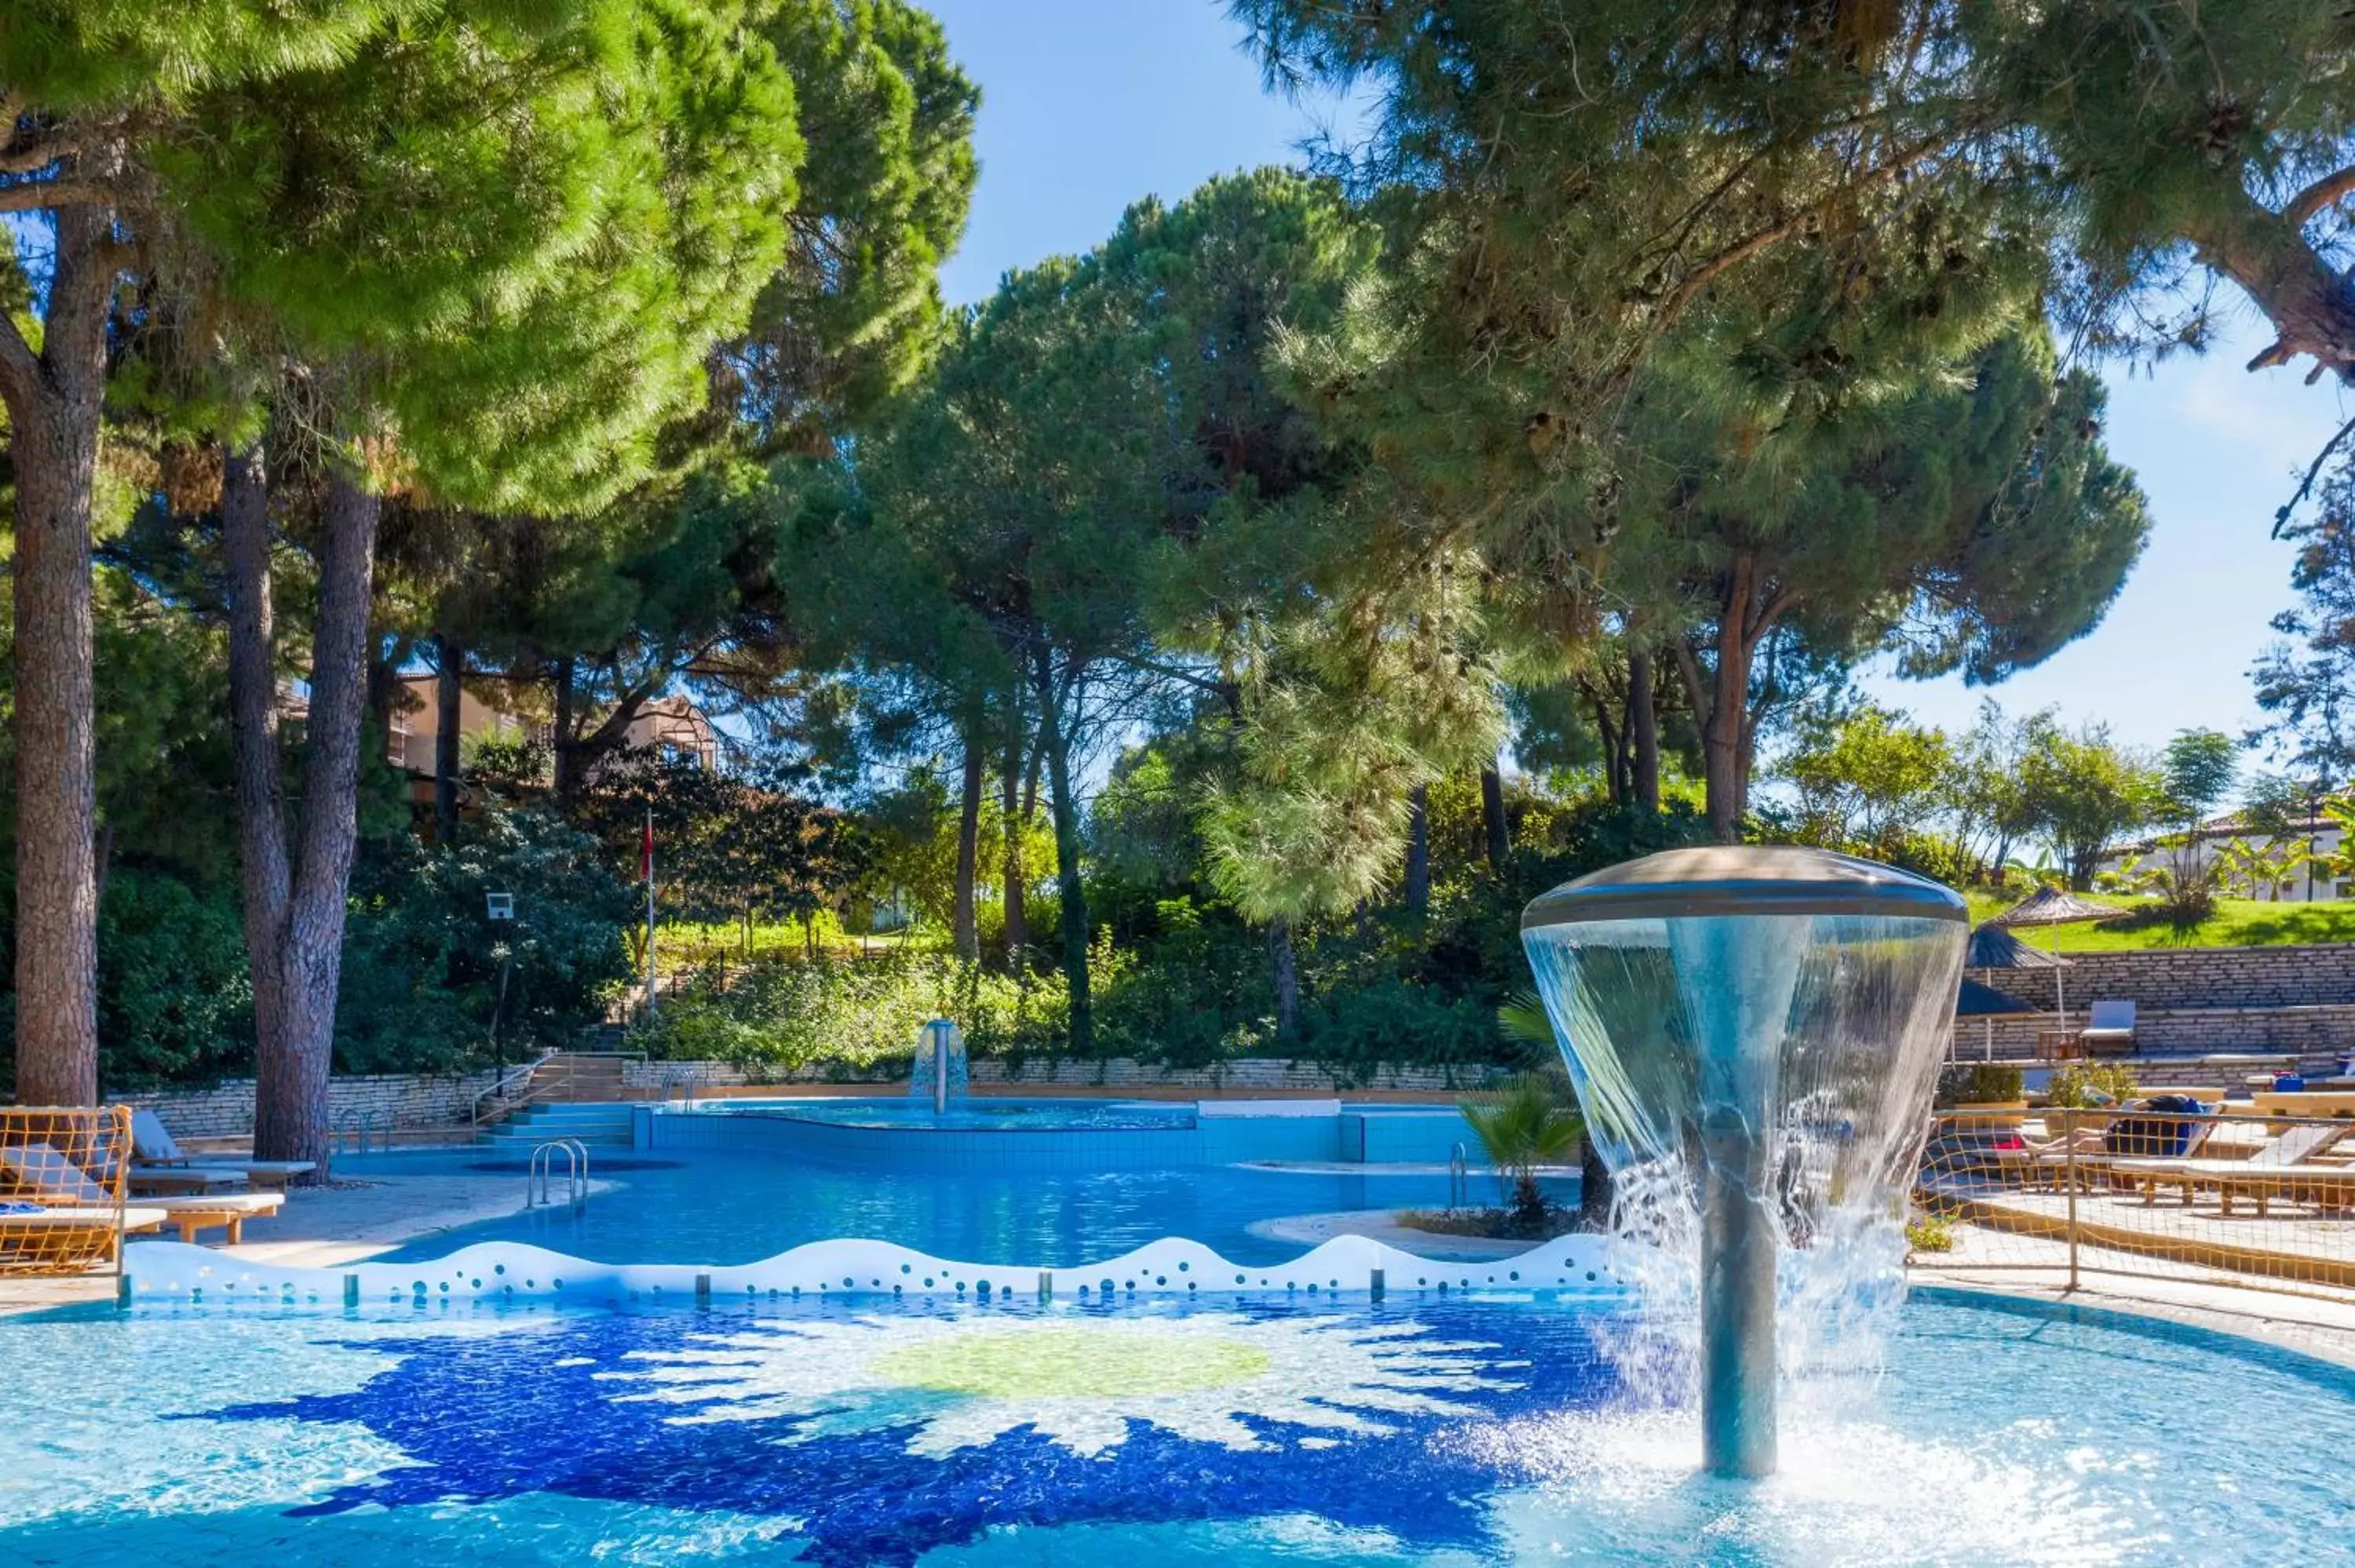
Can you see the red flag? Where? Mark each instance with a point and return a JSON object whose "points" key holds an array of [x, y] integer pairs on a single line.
{"points": [[646, 855]]}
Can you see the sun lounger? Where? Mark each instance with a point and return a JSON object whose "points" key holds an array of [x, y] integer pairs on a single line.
{"points": [[2329, 1186], [39, 1172], [229, 1209], [153, 1144], [163, 1180], [2280, 1168], [2109, 1030]]}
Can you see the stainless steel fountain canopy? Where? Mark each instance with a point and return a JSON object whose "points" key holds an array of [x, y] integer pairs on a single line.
{"points": [[1761, 1027], [1760, 879]]}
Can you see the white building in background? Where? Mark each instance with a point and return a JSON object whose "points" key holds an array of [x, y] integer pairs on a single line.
{"points": [[2316, 835]]}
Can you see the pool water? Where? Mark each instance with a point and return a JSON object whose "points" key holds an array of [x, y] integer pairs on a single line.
{"points": [[980, 1115], [1418, 1431], [728, 1208]]}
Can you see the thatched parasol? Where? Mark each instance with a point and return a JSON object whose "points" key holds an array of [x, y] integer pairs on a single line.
{"points": [[1993, 948], [2052, 906], [1986, 1003]]}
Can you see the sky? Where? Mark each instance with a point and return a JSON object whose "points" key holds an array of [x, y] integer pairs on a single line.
{"points": [[1086, 107]]}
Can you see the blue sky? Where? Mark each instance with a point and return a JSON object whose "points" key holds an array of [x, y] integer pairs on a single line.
{"points": [[1089, 104]]}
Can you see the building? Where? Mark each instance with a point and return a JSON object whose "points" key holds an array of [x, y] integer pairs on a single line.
{"points": [[672, 724], [2219, 838]]}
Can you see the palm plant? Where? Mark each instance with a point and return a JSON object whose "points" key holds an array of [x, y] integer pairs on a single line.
{"points": [[1530, 1124]]}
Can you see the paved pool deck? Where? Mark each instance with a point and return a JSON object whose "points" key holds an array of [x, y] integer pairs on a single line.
{"points": [[323, 1227]]}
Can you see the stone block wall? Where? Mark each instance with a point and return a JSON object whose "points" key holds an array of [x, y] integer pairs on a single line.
{"points": [[2315, 1036], [2322, 974], [390, 1099]]}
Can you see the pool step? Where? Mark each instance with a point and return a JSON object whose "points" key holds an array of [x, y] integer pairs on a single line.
{"points": [[597, 1126]]}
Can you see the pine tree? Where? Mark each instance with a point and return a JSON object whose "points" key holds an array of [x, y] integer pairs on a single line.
{"points": [[102, 99]]}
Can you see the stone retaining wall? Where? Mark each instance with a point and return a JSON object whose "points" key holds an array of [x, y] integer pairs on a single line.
{"points": [[2320, 975], [390, 1100], [1119, 1072], [2315, 1036]]}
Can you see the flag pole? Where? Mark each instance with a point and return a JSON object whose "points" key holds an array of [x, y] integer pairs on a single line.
{"points": [[648, 859]]}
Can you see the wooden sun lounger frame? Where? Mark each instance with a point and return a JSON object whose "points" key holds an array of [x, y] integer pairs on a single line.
{"points": [[2327, 1186], [231, 1209]]}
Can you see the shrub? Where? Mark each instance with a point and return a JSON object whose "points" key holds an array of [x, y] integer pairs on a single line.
{"points": [[174, 1002], [1531, 1123], [2078, 1083], [1930, 1232], [1979, 1083]]}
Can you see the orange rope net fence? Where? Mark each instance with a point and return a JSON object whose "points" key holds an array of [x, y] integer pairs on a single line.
{"points": [[2235, 1198], [64, 1170]]}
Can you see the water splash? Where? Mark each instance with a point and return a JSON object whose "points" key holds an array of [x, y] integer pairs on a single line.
{"points": [[942, 1075]]}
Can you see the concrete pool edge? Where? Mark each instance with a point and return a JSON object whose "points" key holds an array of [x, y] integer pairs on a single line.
{"points": [[2316, 1329]]}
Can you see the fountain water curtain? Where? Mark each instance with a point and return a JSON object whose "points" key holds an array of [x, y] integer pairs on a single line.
{"points": [[1756, 1032], [940, 1073]]}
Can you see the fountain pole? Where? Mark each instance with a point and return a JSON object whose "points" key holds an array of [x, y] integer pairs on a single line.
{"points": [[940, 1032], [1738, 1242]]}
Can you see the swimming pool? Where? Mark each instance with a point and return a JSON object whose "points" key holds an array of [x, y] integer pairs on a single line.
{"points": [[1417, 1431], [733, 1207]]}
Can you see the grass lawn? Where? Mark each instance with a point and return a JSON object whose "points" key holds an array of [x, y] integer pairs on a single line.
{"points": [[2239, 923]]}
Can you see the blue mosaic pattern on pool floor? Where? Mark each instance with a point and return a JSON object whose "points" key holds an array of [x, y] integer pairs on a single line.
{"points": [[875, 1437]]}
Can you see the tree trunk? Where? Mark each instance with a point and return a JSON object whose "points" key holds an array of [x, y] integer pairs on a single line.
{"points": [[1418, 852], [1074, 897], [1722, 702], [1614, 772], [296, 903], [1643, 732], [1594, 1188], [967, 927], [560, 737], [1496, 832], [54, 401], [1284, 967], [384, 694], [253, 725], [1010, 895], [448, 711]]}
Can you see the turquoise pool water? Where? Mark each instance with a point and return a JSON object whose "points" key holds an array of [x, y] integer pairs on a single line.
{"points": [[741, 1207], [978, 1115], [1418, 1432]]}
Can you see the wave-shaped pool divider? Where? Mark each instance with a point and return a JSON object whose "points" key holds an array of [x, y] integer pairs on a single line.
{"points": [[499, 1271]]}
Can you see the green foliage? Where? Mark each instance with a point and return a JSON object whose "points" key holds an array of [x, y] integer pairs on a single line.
{"points": [[422, 959], [2084, 792], [1979, 1084], [1928, 1231], [853, 1016], [2197, 771], [2306, 681], [1530, 1123], [1867, 776], [2076, 1086], [173, 1003]]}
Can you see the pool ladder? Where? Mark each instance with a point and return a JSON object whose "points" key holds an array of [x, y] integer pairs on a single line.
{"points": [[350, 1133], [1459, 1179], [539, 1175]]}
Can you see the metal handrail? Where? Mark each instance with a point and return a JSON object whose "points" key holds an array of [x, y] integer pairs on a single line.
{"points": [[496, 1101], [1459, 1179], [538, 1175], [356, 1125]]}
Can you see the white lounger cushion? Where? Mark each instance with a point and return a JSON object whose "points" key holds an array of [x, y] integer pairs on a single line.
{"points": [[49, 1176]]}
